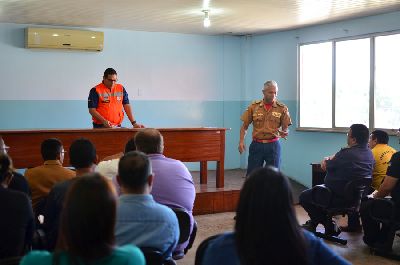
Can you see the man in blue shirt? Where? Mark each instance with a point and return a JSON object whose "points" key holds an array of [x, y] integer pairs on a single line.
{"points": [[141, 220], [354, 161]]}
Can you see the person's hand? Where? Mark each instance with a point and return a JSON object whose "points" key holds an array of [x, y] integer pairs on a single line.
{"points": [[242, 147], [323, 164], [107, 124], [137, 125], [283, 134]]}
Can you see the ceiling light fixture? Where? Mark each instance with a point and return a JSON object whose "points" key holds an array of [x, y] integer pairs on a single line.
{"points": [[206, 21]]}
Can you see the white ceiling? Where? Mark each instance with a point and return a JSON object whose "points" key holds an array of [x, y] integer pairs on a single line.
{"points": [[236, 17]]}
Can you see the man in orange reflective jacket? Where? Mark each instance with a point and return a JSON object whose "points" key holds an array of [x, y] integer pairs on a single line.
{"points": [[106, 101]]}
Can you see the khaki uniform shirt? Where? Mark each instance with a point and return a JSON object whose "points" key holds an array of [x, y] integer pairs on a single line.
{"points": [[266, 123], [42, 178]]}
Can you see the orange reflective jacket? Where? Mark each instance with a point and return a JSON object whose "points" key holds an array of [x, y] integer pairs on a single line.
{"points": [[110, 104]]}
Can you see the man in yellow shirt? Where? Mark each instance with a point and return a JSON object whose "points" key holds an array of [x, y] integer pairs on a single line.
{"points": [[378, 142]]}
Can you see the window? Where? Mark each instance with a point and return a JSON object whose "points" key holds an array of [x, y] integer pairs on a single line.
{"points": [[387, 81], [316, 58], [337, 86]]}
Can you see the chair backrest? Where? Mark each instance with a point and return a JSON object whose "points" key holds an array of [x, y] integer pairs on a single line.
{"points": [[10, 260], [192, 237], [202, 249], [383, 210], [184, 224], [153, 256], [354, 191]]}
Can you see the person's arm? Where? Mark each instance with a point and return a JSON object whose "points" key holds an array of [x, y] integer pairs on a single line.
{"points": [[97, 116], [243, 132], [128, 110], [286, 122], [247, 118], [30, 228], [386, 188], [323, 162]]}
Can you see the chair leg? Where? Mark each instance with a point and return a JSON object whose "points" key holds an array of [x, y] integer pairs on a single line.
{"points": [[335, 239], [385, 254]]}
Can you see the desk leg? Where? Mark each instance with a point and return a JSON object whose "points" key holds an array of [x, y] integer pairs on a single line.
{"points": [[203, 172], [220, 174]]}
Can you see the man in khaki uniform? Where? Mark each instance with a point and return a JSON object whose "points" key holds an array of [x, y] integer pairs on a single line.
{"points": [[270, 120]]}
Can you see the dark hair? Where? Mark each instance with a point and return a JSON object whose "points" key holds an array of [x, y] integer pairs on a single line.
{"points": [[50, 149], [266, 222], [109, 71], [149, 141], [134, 169], [380, 136], [82, 153], [5, 166], [88, 219], [360, 132], [130, 145]]}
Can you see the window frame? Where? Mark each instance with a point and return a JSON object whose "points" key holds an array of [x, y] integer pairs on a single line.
{"points": [[334, 128]]}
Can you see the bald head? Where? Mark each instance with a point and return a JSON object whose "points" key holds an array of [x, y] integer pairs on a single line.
{"points": [[149, 141]]}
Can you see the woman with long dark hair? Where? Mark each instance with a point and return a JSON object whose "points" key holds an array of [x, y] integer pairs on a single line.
{"points": [[17, 221], [266, 226], [87, 229]]}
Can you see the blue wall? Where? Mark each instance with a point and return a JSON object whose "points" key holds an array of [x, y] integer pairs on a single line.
{"points": [[174, 80]]}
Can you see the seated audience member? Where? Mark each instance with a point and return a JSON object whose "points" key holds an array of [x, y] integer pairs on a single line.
{"points": [[349, 163], [83, 158], [265, 225], [378, 142], [42, 178], [173, 184], [16, 222], [141, 220], [375, 233], [87, 229], [18, 182], [109, 168]]}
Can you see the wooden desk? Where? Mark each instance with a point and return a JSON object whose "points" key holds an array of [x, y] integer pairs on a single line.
{"points": [[318, 174], [185, 144]]}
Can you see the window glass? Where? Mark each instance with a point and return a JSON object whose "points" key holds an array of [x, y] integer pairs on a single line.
{"points": [[387, 82], [352, 82], [316, 85]]}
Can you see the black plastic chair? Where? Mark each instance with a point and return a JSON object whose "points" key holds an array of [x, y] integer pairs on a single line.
{"points": [[202, 249], [192, 237], [384, 211], [184, 230], [323, 197], [154, 256], [184, 224], [11, 260]]}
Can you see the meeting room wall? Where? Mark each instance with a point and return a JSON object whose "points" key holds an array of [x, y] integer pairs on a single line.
{"points": [[173, 80], [274, 56]]}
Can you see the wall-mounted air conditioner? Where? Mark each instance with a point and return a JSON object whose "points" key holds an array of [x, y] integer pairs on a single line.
{"points": [[57, 38]]}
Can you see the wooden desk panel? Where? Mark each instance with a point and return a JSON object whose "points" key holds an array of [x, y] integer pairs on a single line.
{"points": [[318, 175], [185, 144]]}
